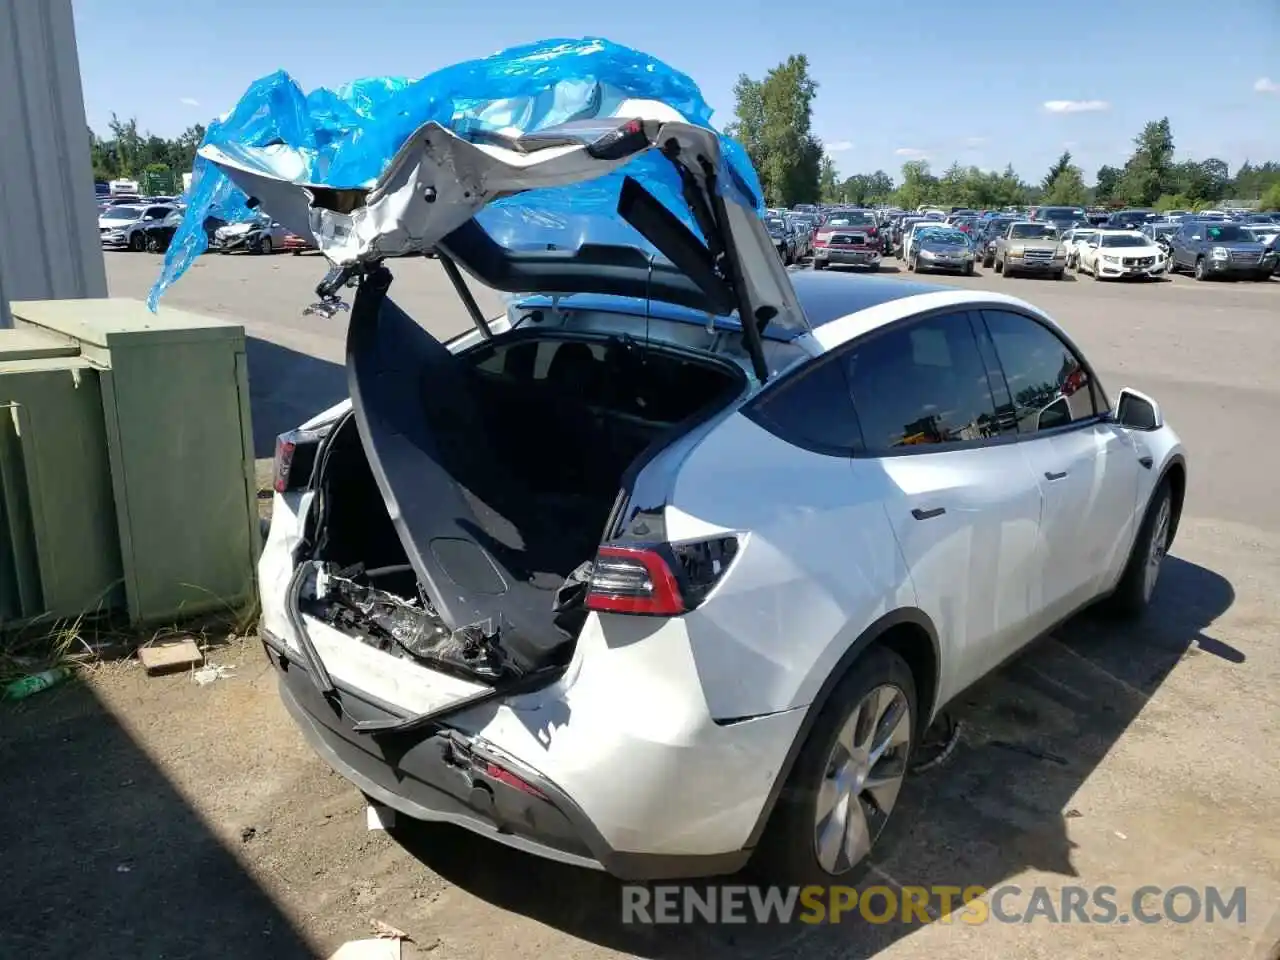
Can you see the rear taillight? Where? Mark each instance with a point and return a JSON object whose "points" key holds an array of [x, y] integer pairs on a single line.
{"points": [[871, 231], [820, 240], [658, 580], [295, 458], [495, 772]]}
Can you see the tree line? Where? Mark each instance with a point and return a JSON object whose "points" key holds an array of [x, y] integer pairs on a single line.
{"points": [[773, 121], [126, 153]]}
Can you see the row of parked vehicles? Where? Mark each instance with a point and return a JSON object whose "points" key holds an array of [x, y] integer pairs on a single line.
{"points": [[1047, 241], [148, 224]]}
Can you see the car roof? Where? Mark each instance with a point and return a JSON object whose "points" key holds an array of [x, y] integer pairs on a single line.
{"points": [[876, 305]]}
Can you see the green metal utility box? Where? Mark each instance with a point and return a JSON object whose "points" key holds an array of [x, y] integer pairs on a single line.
{"points": [[136, 456]]}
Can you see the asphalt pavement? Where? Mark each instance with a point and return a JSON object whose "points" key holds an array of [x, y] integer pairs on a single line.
{"points": [[1120, 755]]}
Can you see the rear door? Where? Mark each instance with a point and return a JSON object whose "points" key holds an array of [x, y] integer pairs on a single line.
{"points": [[1087, 468], [963, 502]]}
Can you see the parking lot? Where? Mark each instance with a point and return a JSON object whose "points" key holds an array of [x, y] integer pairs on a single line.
{"points": [[1102, 756]]}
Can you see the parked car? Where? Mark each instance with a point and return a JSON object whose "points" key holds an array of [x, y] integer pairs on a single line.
{"points": [[1075, 238], [911, 236], [1212, 250], [848, 238], [1030, 246], [942, 248], [784, 240], [1117, 254], [455, 634], [1130, 219], [984, 250], [159, 233], [801, 238], [258, 234], [123, 226], [1064, 218]]}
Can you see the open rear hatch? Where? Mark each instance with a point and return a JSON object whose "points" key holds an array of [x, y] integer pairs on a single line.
{"points": [[476, 617]]}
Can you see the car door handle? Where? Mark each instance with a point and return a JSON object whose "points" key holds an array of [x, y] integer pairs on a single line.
{"points": [[928, 514], [1050, 475]]}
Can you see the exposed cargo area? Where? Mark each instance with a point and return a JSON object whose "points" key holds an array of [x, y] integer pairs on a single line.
{"points": [[526, 443]]}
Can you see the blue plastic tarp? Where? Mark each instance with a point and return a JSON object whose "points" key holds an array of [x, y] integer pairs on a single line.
{"points": [[346, 137]]}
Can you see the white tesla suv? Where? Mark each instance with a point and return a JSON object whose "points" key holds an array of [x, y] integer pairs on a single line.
{"points": [[622, 581]]}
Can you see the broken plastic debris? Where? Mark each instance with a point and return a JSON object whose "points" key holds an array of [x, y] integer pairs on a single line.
{"points": [[380, 818], [380, 949], [206, 675], [386, 930]]}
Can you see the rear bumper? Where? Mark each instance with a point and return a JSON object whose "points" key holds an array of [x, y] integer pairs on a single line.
{"points": [[442, 775]]}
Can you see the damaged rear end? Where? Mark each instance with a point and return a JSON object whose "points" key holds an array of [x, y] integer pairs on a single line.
{"points": [[445, 545]]}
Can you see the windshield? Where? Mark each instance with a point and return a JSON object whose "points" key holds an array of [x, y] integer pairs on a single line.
{"points": [[1124, 240], [1226, 232], [936, 235], [775, 227], [120, 212], [1033, 231], [849, 220], [1062, 213]]}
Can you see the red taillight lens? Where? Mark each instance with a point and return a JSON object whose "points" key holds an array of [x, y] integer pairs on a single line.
{"points": [[634, 580], [295, 457], [871, 231], [495, 772]]}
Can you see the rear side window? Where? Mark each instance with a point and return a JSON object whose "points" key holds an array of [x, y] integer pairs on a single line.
{"points": [[921, 385], [1047, 380], [813, 410]]}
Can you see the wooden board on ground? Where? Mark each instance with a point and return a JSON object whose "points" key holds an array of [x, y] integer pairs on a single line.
{"points": [[168, 657]]}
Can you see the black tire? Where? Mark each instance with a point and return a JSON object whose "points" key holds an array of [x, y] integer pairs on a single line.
{"points": [[968, 269], [264, 246], [1060, 274], [911, 265], [988, 262], [137, 241], [1097, 272], [1133, 594], [873, 268], [1007, 271], [1200, 273], [786, 853], [998, 266], [819, 265]]}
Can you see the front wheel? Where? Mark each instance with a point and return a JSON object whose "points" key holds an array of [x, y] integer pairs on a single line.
{"points": [[1138, 583], [968, 269], [847, 777], [265, 246], [137, 242], [1200, 272]]}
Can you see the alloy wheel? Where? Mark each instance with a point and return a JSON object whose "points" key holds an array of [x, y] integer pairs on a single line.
{"points": [[862, 778], [1156, 549]]}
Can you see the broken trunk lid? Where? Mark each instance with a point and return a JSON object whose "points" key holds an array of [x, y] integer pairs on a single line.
{"points": [[442, 189]]}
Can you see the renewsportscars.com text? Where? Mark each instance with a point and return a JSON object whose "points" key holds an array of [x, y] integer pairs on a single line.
{"points": [[973, 905]]}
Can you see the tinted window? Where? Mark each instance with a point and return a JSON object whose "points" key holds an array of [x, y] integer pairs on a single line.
{"points": [[1049, 384], [921, 384], [813, 410]]}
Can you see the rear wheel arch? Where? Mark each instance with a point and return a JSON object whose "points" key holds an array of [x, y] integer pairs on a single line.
{"points": [[910, 633]]}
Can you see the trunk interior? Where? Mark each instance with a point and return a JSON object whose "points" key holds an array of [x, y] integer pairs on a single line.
{"points": [[474, 485]]}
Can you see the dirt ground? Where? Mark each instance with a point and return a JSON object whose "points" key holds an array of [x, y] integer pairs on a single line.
{"points": [[152, 817]]}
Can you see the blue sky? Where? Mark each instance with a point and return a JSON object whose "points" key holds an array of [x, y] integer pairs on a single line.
{"points": [[985, 83]]}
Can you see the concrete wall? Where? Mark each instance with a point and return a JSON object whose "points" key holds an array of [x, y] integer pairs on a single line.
{"points": [[49, 245]]}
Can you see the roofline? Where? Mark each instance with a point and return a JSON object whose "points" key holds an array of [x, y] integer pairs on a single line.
{"points": [[860, 323]]}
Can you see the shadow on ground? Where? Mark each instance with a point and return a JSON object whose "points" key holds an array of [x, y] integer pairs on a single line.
{"points": [[1033, 733], [104, 859], [287, 388]]}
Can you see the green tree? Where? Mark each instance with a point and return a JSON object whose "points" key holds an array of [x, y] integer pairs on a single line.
{"points": [[1108, 182], [1149, 172], [919, 186], [1271, 198], [1060, 166], [880, 187], [773, 121], [828, 187], [1067, 189]]}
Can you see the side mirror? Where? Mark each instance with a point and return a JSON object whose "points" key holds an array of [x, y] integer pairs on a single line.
{"points": [[1137, 411], [1056, 414]]}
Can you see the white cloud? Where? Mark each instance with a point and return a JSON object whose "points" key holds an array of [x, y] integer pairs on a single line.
{"points": [[1266, 85], [190, 101], [1076, 106], [975, 141], [1069, 144], [911, 153], [840, 146]]}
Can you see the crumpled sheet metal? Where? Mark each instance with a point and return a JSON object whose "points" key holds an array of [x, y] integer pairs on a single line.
{"points": [[345, 138]]}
